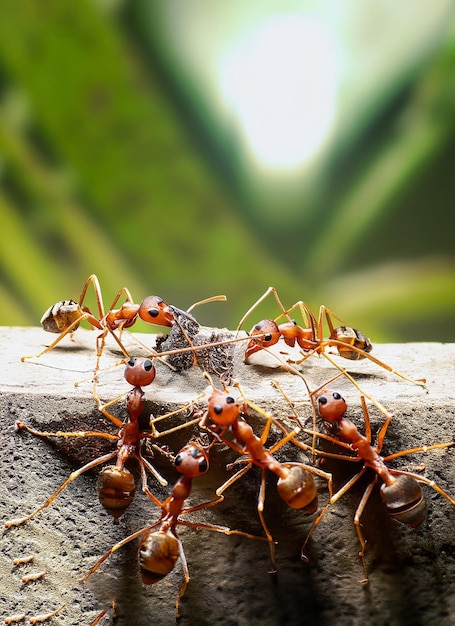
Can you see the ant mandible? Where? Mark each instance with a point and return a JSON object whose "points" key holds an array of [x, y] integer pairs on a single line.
{"points": [[400, 490], [160, 549], [350, 343], [116, 485]]}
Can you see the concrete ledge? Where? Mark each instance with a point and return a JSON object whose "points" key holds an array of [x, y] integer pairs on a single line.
{"points": [[411, 571]]}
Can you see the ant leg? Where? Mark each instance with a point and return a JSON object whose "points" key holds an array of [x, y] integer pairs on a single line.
{"points": [[114, 548], [204, 505], [303, 446], [60, 433], [102, 408], [330, 455], [366, 419], [260, 508], [258, 302], [230, 481], [98, 618], [156, 434], [218, 529], [306, 314], [289, 435], [434, 446], [323, 310], [377, 404], [358, 527], [186, 579], [324, 510], [93, 279], [143, 463], [426, 481], [101, 342], [87, 316], [124, 291], [72, 476]]}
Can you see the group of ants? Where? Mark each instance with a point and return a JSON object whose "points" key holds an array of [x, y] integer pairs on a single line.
{"points": [[220, 417]]}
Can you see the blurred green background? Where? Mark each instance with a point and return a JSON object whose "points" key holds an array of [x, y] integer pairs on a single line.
{"points": [[126, 150]]}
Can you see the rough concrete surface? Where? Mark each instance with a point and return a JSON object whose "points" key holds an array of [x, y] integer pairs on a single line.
{"points": [[411, 571]]}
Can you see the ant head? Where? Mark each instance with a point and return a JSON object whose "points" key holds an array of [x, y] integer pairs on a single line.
{"points": [[154, 310], [222, 408], [265, 334], [139, 371], [332, 406], [158, 553], [192, 460]]}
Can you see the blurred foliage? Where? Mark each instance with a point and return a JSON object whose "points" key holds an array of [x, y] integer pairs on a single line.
{"points": [[108, 167]]}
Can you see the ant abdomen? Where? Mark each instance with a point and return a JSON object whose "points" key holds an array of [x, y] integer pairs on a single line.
{"points": [[59, 316], [116, 489], [298, 490], [404, 500], [351, 337], [158, 553]]}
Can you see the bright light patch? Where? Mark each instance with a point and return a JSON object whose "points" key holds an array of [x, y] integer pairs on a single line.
{"points": [[280, 83]]}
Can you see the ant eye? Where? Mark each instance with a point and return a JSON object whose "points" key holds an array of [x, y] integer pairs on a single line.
{"points": [[132, 361], [203, 465], [218, 409], [147, 365], [337, 396], [322, 400], [268, 337], [153, 312], [229, 400]]}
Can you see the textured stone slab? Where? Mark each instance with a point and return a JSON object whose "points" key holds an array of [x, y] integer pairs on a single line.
{"points": [[411, 571]]}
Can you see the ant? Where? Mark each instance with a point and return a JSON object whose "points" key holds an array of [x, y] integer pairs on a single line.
{"points": [[116, 485], [295, 484], [400, 490], [160, 549], [350, 343], [65, 316]]}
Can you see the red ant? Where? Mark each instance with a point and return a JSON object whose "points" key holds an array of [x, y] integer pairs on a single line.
{"points": [[65, 316], [160, 549], [116, 484], [350, 343], [295, 484], [400, 490]]}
